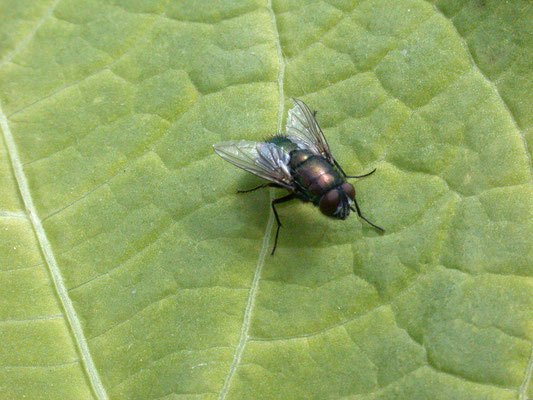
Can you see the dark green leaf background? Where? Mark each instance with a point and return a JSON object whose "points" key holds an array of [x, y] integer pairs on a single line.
{"points": [[129, 269]]}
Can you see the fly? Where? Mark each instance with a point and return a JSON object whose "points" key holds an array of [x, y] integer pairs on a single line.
{"points": [[300, 162]]}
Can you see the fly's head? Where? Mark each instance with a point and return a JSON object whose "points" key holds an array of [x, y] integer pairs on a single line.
{"points": [[338, 201]]}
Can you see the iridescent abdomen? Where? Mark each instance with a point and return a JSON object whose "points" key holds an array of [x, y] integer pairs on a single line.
{"points": [[314, 174]]}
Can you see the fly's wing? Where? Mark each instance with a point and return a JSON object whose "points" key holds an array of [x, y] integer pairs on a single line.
{"points": [[302, 128], [265, 160]]}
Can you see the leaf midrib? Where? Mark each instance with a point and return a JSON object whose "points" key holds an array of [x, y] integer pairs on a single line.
{"points": [[46, 248], [268, 230]]}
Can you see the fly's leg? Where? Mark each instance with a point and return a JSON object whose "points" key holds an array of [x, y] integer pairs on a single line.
{"points": [[274, 202], [255, 188], [363, 218], [361, 176], [352, 176], [264, 185]]}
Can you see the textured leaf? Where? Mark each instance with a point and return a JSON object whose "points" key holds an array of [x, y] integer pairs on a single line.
{"points": [[131, 270]]}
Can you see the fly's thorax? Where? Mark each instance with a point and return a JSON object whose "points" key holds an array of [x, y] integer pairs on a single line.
{"points": [[283, 142], [298, 157]]}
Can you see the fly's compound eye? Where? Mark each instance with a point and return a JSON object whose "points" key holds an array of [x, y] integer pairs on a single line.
{"points": [[349, 190], [330, 202]]}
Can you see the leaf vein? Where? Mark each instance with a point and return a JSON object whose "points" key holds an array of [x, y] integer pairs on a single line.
{"points": [[55, 273], [261, 260], [527, 378], [494, 87], [32, 33]]}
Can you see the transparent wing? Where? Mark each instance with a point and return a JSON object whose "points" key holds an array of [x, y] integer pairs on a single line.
{"points": [[303, 129], [265, 160]]}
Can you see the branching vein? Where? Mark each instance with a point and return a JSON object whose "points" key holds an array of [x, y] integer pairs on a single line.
{"points": [[32, 33]]}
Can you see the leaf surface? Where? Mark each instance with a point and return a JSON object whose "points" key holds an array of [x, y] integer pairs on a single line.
{"points": [[131, 270]]}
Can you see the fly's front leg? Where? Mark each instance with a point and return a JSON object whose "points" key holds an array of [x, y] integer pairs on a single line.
{"points": [[352, 176], [363, 218], [274, 202]]}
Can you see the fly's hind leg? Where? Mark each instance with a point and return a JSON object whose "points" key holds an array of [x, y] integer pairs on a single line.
{"points": [[274, 202], [252, 189], [264, 185]]}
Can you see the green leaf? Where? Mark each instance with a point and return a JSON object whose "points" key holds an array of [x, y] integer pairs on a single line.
{"points": [[130, 269]]}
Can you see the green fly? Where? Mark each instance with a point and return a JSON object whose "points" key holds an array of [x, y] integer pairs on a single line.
{"points": [[300, 162]]}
